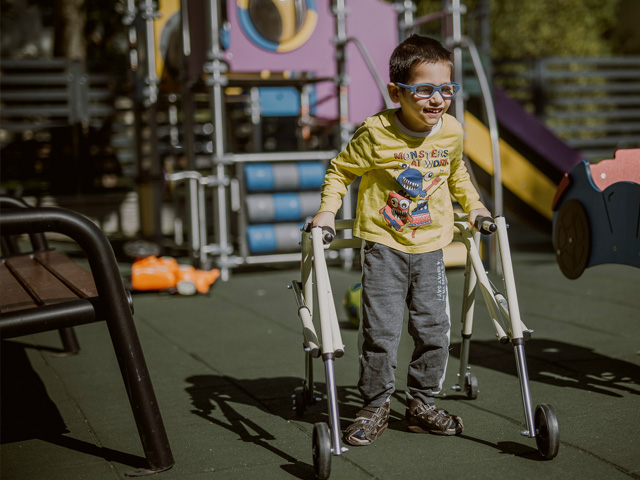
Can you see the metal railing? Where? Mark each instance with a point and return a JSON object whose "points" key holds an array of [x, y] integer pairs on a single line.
{"points": [[591, 103]]}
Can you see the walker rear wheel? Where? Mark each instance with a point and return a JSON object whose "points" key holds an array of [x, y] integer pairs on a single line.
{"points": [[321, 450], [547, 432], [300, 401], [471, 386]]}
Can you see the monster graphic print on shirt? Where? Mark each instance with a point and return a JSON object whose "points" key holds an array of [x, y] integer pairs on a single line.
{"points": [[409, 206]]}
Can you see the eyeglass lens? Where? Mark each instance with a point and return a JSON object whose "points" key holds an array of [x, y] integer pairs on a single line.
{"points": [[428, 90]]}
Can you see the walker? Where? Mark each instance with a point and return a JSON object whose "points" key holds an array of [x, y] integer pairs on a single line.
{"points": [[541, 424], [326, 439]]}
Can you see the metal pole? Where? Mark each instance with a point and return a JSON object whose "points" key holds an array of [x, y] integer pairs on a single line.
{"points": [[455, 9], [185, 90], [216, 67], [405, 10], [521, 363], [150, 171], [485, 88], [194, 225], [202, 224], [332, 401], [256, 118], [340, 13], [149, 13]]}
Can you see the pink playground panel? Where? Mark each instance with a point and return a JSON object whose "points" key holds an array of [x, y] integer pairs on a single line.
{"points": [[371, 21], [625, 167]]}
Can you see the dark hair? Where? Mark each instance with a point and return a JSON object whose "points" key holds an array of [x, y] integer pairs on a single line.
{"points": [[413, 51]]}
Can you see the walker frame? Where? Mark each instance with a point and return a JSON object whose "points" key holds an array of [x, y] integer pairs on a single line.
{"points": [[503, 309], [542, 423]]}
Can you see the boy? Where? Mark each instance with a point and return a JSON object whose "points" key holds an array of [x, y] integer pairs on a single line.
{"points": [[410, 161]]}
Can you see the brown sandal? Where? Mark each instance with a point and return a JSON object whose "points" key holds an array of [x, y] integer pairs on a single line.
{"points": [[369, 424], [427, 418]]}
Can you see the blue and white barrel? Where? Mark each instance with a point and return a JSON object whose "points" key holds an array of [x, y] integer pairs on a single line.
{"points": [[281, 207], [282, 177], [276, 238]]}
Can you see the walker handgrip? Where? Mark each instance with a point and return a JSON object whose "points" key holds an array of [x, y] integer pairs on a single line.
{"points": [[328, 234], [486, 225]]}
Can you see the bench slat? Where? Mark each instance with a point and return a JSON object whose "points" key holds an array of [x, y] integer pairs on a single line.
{"points": [[41, 284], [13, 297], [75, 277]]}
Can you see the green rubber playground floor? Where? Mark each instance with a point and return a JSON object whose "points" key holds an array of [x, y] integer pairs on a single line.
{"points": [[224, 366]]}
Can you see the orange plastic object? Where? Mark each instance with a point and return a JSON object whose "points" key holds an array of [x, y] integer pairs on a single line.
{"points": [[189, 278], [153, 273]]}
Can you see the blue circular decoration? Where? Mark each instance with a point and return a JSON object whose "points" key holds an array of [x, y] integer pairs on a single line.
{"points": [[278, 25]]}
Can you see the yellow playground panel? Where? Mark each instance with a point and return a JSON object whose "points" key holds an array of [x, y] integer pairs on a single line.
{"points": [[521, 177]]}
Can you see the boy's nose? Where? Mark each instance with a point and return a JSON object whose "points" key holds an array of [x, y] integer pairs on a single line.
{"points": [[440, 98], [435, 100]]}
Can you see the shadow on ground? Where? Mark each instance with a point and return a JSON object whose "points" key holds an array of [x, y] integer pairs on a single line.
{"points": [[559, 364], [28, 412], [219, 400]]}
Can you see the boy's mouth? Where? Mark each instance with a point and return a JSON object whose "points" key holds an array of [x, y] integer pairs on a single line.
{"points": [[433, 111]]}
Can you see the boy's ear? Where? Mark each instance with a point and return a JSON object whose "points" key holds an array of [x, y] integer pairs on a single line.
{"points": [[394, 92]]}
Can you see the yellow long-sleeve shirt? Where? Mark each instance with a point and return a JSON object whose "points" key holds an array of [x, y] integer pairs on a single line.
{"points": [[404, 198]]}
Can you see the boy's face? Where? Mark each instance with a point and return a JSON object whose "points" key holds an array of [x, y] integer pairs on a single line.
{"points": [[422, 114]]}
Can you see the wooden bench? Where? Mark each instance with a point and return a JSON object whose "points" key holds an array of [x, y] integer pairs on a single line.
{"points": [[14, 293], [45, 290]]}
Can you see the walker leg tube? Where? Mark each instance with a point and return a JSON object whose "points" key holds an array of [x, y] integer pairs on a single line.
{"points": [[338, 346], [308, 363], [332, 401], [323, 290], [521, 363], [509, 278], [487, 292], [468, 303], [306, 271], [465, 348]]}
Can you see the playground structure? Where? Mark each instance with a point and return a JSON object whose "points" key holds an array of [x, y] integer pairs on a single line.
{"points": [[326, 74], [280, 103]]}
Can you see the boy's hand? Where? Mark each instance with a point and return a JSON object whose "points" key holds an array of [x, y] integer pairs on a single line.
{"points": [[324, 219], [478, 212]]}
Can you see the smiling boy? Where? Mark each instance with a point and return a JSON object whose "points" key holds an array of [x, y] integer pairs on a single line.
{"points": [[410, 162]]}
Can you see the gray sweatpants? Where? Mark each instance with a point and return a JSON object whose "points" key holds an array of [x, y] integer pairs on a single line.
{"points": [[391, 279]]}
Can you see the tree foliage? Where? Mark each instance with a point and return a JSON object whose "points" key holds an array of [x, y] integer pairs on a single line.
{"points": [[538, 28], [551, 27], [74, 29]]}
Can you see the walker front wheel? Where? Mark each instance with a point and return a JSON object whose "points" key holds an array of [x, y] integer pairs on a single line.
{"points": [[547, 432], [321, 450]]}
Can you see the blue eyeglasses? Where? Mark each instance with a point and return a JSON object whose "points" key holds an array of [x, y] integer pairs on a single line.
{"points": [[426, 90]]}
